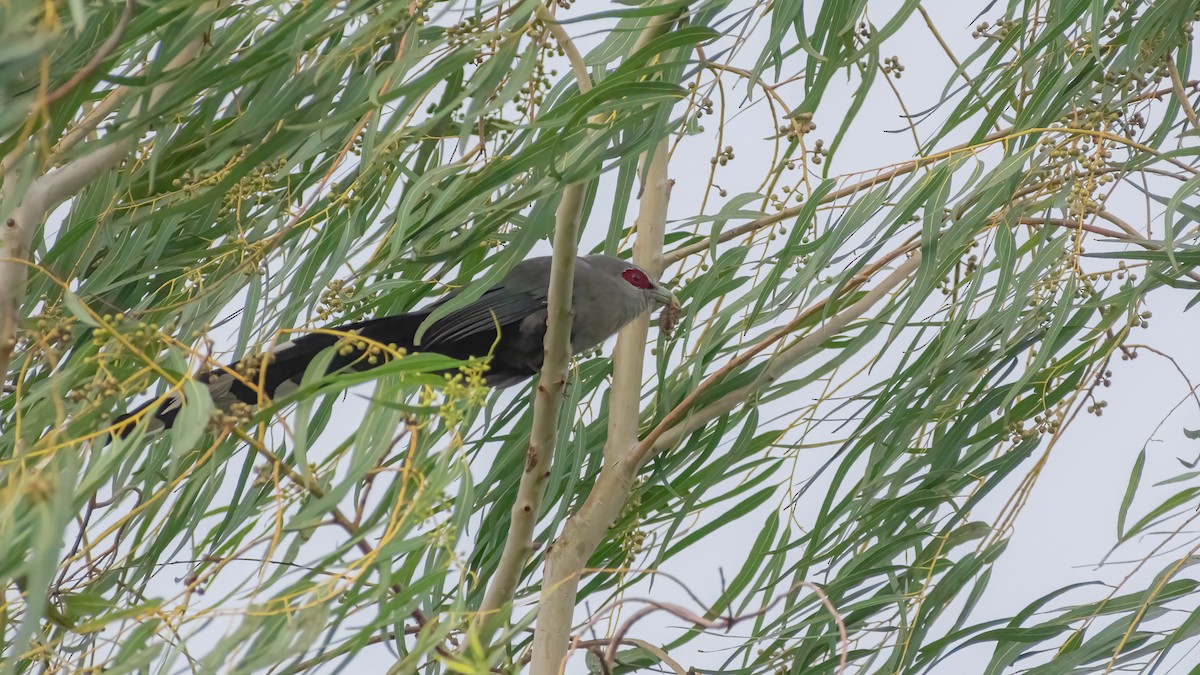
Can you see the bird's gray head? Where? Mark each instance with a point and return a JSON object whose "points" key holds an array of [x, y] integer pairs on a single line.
{"points": [[609, 293], [636, 287]]}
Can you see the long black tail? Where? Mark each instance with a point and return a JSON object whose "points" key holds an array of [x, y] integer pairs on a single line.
{"points": [[285, 366]]}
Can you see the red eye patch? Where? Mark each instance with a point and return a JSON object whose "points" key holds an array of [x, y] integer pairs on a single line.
{"points": [[637, 278]]}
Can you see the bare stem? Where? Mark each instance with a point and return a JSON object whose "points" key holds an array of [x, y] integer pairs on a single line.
{"points": [[1180, 94]]}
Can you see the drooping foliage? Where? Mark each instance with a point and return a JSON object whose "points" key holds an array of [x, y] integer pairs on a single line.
{"points": [[319, 162]]}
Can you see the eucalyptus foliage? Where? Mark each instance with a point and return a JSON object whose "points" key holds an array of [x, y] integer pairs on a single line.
{"points": [[319, 162]]}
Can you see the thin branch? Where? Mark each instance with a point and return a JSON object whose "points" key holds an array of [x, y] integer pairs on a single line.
{"points": [[657, 651], [584, 530], [339, 518], [1180, 94], [629, 354], [1128, 229], [92, 119], [578, 67], [667, 436], [1070, 224], [726, 623], [47, 191], [953, 59], [885, 176], [347, 647], [680, 410], [782, 215], [1134, 237], [105, 50]]}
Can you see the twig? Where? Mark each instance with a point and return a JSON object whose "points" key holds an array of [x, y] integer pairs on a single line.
{"points": [[657, 651], [1133, 237], [899, 170], [105, 50], [584, 530], [619, 636], [1178, 369], [782, 215], [1070, 224], [578, 67], [93, 118], [347, 647], [47, 191], [336, 514], [1180, 94], [789, 358], [953, 59], [681, 412]]}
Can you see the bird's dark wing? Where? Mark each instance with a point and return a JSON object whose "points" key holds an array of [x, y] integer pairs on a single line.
{"points": [[467, 332], [498, 307]]}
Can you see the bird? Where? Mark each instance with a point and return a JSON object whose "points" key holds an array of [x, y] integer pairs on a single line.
{"points": [[507, 322]]}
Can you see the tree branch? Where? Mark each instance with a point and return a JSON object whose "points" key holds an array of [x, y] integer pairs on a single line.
{"points": [[93, 118], [657, 651], [557, 603], [1180, 94], [726, 623], [46, 192], [578, 67], [546, 404], [958, 67], [102, 53], [1131, 234], [551, 382], [883, 177], [665, 436], [630, 352], [780, 216], [584, 531]]}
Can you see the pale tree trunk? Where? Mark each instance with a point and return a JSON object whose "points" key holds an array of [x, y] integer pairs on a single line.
{"points": [[583, 531], [548, 396]]}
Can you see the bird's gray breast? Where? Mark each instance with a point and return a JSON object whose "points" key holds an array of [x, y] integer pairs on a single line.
{"points": [[600, 310]]}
